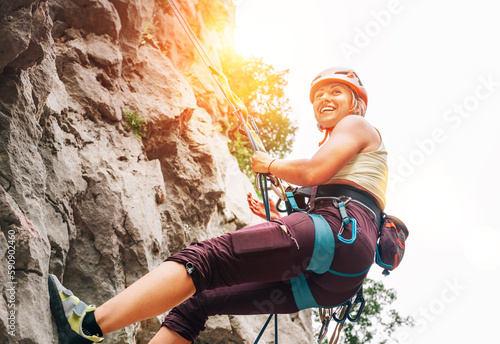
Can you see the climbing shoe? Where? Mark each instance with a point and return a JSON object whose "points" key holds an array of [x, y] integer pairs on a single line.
{"points": [[69, 312]]}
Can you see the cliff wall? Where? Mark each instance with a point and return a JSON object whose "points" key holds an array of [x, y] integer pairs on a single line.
{"points": [[80, 195]]}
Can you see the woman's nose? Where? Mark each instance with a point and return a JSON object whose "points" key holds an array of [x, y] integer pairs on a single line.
{"points": [[325, 95]]}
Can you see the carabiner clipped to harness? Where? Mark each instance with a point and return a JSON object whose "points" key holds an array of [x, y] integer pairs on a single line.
{"points": [[361, 300], [354, 232], [344, 312], [345, 221]]}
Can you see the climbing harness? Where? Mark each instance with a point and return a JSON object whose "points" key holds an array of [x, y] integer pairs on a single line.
{"points": [[389, 251], [323, 253], [322, 258]]}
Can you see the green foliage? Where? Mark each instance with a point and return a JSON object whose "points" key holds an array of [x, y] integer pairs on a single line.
{"points": [[135, 123], [262, 90], [376, 323], [147, 34]]}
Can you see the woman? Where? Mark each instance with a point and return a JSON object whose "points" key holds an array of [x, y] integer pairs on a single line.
{"points": [[256, 269]]}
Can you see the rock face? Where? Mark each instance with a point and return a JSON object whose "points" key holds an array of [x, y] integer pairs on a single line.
{"points": [[80, 195]]}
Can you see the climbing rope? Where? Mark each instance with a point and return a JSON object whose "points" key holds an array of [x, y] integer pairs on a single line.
{"points": [[238, 107], [250, 129]]}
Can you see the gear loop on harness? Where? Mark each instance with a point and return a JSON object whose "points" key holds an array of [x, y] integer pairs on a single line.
{"points": [[340, 203]]}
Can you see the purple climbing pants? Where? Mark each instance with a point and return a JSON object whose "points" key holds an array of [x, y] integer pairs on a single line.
{"points": [[249, 271]]}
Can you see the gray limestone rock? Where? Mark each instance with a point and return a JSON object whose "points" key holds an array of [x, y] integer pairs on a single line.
{"points": [[80, 195]]}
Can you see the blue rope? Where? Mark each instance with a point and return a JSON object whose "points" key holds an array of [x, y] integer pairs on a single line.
{"points": [[265, 195], [265, 200], [264, 328]]}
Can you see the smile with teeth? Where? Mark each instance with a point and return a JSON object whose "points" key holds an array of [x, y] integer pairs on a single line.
{"points": [[327, 108]]}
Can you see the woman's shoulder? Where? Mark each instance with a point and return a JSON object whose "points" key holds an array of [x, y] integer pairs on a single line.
{"points": [[360, 127], [357, 125], [354, 121]]}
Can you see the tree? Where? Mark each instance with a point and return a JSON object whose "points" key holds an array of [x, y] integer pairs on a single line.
{"points": [[375, 323], [262, 89]]}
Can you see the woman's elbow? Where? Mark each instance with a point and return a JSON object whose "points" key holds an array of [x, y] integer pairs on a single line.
{"points": [[312, 178]]}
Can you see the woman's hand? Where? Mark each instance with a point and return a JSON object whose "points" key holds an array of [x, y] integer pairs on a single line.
{"points": [[257, 207], [261, 162]]}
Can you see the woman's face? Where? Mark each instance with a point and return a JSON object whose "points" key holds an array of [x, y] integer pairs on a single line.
{"points": [[332, 102]]}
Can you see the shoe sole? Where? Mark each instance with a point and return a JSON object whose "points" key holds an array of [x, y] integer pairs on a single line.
{"points": [[66, 334]]}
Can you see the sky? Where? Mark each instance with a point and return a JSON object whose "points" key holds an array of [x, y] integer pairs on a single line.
{"points": [[432, 73]]}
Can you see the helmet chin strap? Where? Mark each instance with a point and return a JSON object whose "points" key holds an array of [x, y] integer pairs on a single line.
{"points": [[329, 130]]}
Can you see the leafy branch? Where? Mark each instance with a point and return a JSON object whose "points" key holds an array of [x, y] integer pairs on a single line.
{"points": [[262, 89]]}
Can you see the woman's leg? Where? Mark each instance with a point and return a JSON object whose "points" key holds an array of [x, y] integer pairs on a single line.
{"points": [[267, 252], [188, 319], [167, 336], [160, 290]]}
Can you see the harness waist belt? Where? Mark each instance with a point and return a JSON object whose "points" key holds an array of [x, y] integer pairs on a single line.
{"points": [[338, 190]]}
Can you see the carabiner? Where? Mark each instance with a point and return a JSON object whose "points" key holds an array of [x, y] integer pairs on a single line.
{"points": [[344, 312], [359, 299], [278, 203], [354, 230], [325, 316], [324, 330]]}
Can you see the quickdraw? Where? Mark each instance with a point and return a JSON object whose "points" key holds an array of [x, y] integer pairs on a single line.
{"points": [[340, 315]]}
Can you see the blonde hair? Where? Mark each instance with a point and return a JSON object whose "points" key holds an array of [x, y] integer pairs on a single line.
{"points": [[358, 106]]}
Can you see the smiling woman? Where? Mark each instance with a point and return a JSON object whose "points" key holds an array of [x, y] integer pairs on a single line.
{"points": [[336, 82]]}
